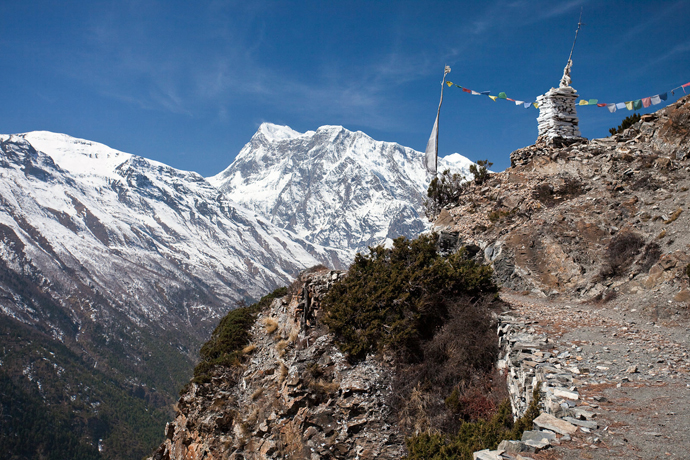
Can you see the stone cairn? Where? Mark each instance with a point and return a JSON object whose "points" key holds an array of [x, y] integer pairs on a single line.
{"points": [[557, 115]]}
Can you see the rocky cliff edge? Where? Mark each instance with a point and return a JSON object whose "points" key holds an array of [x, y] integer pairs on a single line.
{"points": [[295, 397]]}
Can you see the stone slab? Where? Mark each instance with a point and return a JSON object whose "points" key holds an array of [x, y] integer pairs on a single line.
{"points": [[549, 422]]}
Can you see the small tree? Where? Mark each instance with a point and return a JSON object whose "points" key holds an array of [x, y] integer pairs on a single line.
{"points": [[443, 190], [480, 171], [626, 123]]}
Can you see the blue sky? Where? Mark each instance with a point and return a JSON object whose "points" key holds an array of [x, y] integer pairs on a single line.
{"points": [[188, 83]]}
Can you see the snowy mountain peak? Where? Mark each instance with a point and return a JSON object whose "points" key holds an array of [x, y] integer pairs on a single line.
{"points": [[79, 156], [333, 187], [277, 132]]}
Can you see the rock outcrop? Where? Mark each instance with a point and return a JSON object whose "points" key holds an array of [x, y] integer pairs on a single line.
{"points": [[297, 397], [605, 217]]}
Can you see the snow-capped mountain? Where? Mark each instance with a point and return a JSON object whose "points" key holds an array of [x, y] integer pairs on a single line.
{"points": [[126, 262], [333, 187], [137, 228]]}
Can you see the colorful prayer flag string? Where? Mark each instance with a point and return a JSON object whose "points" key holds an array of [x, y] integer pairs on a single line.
{"points": [[636, 104]]}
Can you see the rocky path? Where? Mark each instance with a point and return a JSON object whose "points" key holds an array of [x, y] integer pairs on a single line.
{"points": [[634, 374]]}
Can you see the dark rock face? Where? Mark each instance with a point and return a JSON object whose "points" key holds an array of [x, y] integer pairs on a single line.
{"points": [[298, 397]]}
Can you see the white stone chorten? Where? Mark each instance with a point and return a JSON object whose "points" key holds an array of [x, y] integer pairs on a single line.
{"points": [[557, 114]]}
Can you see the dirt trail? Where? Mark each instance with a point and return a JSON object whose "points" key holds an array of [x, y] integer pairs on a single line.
{"points": [[635, 376]]}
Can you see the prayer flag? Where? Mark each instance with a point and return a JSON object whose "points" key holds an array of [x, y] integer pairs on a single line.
{"points": [[621, 105], [637, 105], [493, 98], [601, 105], [536, 105], [519, 102], [612, 107], [629, 105], [583, 102], [687, 84], [467, 90], [459, 86], [502, 95], [431, 152], [527, 105], [656, 99], [646, 101], [474, 93], [485, 93], [449, 83], [593, 101], [510, 99]]}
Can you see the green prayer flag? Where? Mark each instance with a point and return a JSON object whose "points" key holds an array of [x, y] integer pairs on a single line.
{"points": [[593, 101], [502, 96], [637, 105]]}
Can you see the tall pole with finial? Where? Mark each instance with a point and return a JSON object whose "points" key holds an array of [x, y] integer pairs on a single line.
{"points": [[566, 80], [431, 152]]}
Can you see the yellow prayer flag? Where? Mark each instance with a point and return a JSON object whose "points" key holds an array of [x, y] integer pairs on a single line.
{"points": [[536, 106], [493, 98], [629, 105], [449, 83], [583, 102]]}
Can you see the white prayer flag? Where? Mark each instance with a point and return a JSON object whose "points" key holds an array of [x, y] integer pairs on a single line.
{"points": [[611, 107], [656, 100], [431, 152]]}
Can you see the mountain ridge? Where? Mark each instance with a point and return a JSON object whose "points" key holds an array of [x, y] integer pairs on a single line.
{"points": [[332, 186]]}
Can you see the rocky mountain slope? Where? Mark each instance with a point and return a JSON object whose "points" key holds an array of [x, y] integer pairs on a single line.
{"points": [[297, 397], [333, 187], [588, 241], [116, 268], [593, 219]]}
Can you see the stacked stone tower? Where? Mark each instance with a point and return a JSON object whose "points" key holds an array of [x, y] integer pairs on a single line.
{"points": [[557, 119]]}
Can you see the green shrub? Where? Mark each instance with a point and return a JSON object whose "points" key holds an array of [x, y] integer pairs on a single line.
{"points": [[626, 123], [474, 436], [443, 190], [230, 336], [396, 298], [480, 171]]}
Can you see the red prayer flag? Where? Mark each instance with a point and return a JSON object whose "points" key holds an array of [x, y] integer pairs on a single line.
{"points": [[601, 105], [510, 99], [467, 90], [647, 101], [687, 84]]}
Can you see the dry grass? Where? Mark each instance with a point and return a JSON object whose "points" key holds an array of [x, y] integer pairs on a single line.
{"points": [[293, 335], [281, 346], [282, 372], [271, 325], [662, 234], [257, 394], [327, 388], [674, 216], [249, 348]]}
